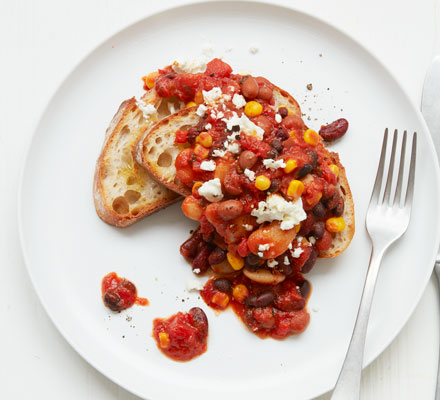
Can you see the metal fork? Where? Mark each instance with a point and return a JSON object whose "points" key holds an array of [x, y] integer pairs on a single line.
{"points": [[387, 220]]}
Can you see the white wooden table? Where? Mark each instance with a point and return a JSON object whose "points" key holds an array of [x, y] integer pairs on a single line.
{"points": [[40, 42]]}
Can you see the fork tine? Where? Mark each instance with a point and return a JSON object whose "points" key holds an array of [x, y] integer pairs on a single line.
{"points": [[412, 170], [387, 192], [379, 175], [399, 186]]}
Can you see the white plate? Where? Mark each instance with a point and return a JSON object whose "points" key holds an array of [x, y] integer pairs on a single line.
{"points": [[68, 249]]}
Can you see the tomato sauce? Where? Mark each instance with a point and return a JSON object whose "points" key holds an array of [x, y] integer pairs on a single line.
{"points": [[119, 293], [183, 336]]}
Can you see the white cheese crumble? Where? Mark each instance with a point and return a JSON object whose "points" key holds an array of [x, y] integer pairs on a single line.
{"points": [[290, 246], [286, 260], [201, 110], [148, 110], [238, 101], [272, 263], [234, 148], [254, 48], [312, 240], [212, 96], [211, 190], [264, 247], [208, 126], [208, 165], [245, 124], [260, 254], [297, 252], [248, 227], [278, 118], [218, 153], [194, 284], [274, 164], [290, 213], [196, 270], [250, 174], [189, 66]]}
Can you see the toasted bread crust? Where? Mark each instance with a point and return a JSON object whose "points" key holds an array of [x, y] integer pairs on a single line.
{"points": [[103, 204]]}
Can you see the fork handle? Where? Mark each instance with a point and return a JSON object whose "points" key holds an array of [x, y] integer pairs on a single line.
{"points": [[349, 382]]}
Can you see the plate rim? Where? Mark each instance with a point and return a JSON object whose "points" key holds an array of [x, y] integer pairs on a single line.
{"points": [[191, 3]]}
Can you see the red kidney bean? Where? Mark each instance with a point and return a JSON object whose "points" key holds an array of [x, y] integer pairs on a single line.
{"points": [[319, 210], [253, 259], [200, 261], [217, 256], [223, 285], [277, 145], [251, 300], [335, 130], [304, 170], [272, 153], [339, 209], [333, 200], [229, 209], [188, 249], [200, 321], [274, 185], [318, 229], [284, 268], [307, 225], [304, 288], [112, 300], [265, 299], [309, 264], [283, 111], [249, 87], [247, 159]]}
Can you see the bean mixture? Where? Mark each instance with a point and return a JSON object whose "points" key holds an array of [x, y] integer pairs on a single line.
{"points": [[249, 154]]}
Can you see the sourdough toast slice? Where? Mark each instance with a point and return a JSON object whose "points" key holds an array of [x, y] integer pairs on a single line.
{"points": [[124, 192], [157, 152]]}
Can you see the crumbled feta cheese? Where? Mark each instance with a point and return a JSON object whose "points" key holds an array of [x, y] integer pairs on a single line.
{"points": [[238, 100], [201, 110], [216, 114], [254, 48], [290, 213], [208, 126], [245, 124], [208, 165], [211, 190], [274, 164], [250, 174], [148, 110], [194, 284], [218, 153], [312, 240], [234, 148], [286, 260], [290, 246], [196, 270], [189, 66], [297, 252], [315, 309], [212, 96], [278, 118], [248, 227], [272, 263], [264, 247], [260, 254]]}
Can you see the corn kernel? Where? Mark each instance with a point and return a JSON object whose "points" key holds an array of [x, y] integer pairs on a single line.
{"points": [[335, 169], [290, 166], [236, 262], [240, 292], [335, 224], [164, 340], [311, 137], [205, 139], [220, 299], [198, 98], [190, 104], [253, 108], [195, 189], [262, 182], [295, 189], [150, 80], [201, 151]]}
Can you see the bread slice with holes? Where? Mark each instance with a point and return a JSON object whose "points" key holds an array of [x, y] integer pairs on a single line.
{"points": [[124, 191], [157, 152]]}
